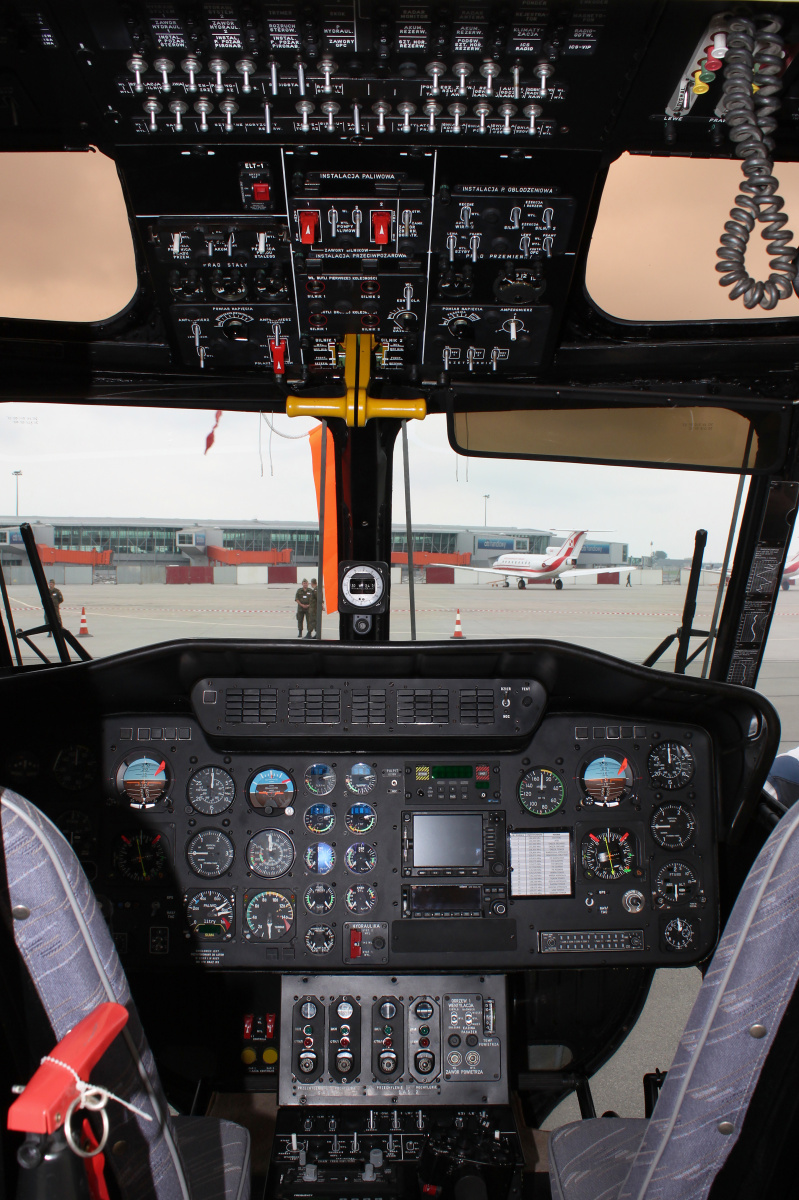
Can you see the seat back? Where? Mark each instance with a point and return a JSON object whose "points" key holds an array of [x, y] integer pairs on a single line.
{"points": [[67, 948], [701, 1109]]}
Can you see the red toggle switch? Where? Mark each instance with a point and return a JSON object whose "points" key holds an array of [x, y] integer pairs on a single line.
{"points": [[270, 1024], [277, 351], [247, 1032], [260, 192], [355, 943], [381, 226], [309, 227]]}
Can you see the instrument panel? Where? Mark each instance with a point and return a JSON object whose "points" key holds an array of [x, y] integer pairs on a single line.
{"points": [[591, 842]]}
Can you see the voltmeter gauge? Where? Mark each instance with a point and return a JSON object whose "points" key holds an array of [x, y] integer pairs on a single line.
{"points": [[360, 818], [678, 933], [270, 853], [608, 853], [319, 818], [676, 883], [270, 788], [210, 853], [320, 939], [210, 915], [211, 791], [320, 899], [320, 779], [143, 780], [320, 857], [361, 858], [141, 857], [672, 826], [269, 916], [361, 779], [360, 898], [671, 765], [541, 792], [607, 780]]}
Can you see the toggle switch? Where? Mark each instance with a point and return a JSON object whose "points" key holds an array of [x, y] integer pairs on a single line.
{"points": [[309, 227], [381, 226], [277, 352], [355, 943], [260, 192]]}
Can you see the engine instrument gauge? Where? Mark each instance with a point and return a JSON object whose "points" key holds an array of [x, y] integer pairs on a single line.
{"points": [[269, 916], [269, 788], [320, 818], [360, 818], [211, 791], [143, 779], [678, 933], [210, 915], [270, 853], [607, 780], [320, 939], [541, 792], [141, 857], [671, 765], [608, 853], [361, 779], [676, 882], [672, 826], [77, 829], [320, 779], [210, 853], [360, 898], [361, 858], [75, 768], [320, 899], [320, 857]]}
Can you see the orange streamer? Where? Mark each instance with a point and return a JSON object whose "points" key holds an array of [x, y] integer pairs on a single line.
{"points": [[330, 565]]}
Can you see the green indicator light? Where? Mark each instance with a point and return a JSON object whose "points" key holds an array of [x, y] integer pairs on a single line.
{"points": [[424, 1030]]}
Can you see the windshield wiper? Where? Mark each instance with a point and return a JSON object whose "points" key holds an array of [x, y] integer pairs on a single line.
{"points": [[61, 636], [686, 631]]}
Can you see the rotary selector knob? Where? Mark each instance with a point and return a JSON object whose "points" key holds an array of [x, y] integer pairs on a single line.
{"points": [[344, 1062], [633, 901], [307, 1062], [387, 1062]]}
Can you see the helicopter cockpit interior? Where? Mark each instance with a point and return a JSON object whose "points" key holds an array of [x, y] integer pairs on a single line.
{"points": [[385, 896]]}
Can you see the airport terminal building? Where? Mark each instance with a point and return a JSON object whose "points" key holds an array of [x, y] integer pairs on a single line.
{"points": [[97, 550]]}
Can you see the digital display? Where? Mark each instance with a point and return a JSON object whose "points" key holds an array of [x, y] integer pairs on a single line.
{"points": [[447, 840], [452, 898], [451, 771], [362, 585]]}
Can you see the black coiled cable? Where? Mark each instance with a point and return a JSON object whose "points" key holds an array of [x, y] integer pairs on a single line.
{"points": [[751, 119]]}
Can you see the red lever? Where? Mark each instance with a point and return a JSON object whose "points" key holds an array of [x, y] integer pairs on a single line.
{"points": [[355, 943], [247, 1031], [381, 226], [260, 192], [270, 1024], [309, 225], [42, 1106], [278, 352]]}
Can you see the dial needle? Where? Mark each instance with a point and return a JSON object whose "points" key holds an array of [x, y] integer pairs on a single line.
{"points": [[623, 767], [610, 858]]}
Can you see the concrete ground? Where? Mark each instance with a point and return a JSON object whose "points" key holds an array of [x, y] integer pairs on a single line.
{"points": [[627, 622]]}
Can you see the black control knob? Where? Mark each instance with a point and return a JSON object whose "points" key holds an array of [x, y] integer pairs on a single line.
{"points": [[307, 1062], [424, 1010], [387, 1062], [424, 1062], [344, 1062]]}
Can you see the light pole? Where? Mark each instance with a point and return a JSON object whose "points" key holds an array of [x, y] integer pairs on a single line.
{"points": [[16, 475], [486, 499]]}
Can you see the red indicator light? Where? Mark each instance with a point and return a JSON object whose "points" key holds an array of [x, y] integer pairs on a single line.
{"points": [[309, 225], [381, 226], [388, 1042], [307, 1042], [260, 192], [345, 1041], [424, 1042]]}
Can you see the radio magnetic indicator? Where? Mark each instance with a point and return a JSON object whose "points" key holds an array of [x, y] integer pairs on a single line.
{"points": [[141, 857], [608, 853], [541, 792]]}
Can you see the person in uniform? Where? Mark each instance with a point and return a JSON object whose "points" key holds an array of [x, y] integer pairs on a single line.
{"points": [[312, 610], [57, 598], [303, 601]]}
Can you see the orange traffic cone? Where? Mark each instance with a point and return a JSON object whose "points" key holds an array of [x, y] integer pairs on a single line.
{"points": [[458, 631], [84, 628]]}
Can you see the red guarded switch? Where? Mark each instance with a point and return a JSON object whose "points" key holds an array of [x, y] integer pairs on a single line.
{"points": [[381, 226], [247, 1029], [309, 227], [260, 192], [355, 943], [270, 1024], [277, 351]]}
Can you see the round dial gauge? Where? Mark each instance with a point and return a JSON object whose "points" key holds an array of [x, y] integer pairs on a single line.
{"points": [[320, 818], [77, 829], [608, 853], [678, 933], [269, 916], [671, 765], [23, 765], [361, 818], [320, 939], [270, 853], [210, 853], [607, 780], [210, 915], [361, 858], [360, 898], [75, 768], [541, 792], [143, 779], [320, 779], [211, 791], [141, 857], [672, 826], [361, 779], [676, 882], [320, 857], [271, 788], [319, 899]]}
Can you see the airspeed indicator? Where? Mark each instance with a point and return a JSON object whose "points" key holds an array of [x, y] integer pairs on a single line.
{"points": [[541, 792]]}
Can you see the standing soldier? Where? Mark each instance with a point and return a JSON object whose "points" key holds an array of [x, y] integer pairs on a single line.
{"points": [[303, 600], [312, 611], [58, 600]]}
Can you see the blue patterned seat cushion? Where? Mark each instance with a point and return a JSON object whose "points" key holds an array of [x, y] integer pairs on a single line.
{"points": [[590, 1160], [216, 1155]]}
